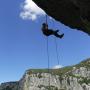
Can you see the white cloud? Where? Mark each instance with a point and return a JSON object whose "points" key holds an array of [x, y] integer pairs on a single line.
{"points": [[30, 10], [57, 66]]}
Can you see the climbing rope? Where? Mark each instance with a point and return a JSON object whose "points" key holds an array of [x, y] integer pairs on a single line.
{"points": [[56, 45], [57, 54], [46, 18], [48, 63], [48, 57], [48, 50]]}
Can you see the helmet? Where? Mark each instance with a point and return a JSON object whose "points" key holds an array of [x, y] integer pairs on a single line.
{"points": [[44, 24]]}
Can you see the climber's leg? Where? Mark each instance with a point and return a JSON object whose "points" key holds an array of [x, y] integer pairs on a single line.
{"points": [[59, 36]]}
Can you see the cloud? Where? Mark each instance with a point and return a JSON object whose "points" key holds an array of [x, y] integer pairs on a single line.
{"points": [[57, 66], [30, 10]]}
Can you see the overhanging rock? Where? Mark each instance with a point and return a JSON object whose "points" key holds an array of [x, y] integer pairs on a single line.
{"points": [[72, 13]]}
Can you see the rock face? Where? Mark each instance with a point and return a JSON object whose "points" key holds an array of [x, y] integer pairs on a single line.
{"points": [[75, 77], [9, 86], [73, 13]]}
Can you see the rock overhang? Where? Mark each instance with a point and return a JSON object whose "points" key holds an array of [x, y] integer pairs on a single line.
{"points": [[72, 13]]}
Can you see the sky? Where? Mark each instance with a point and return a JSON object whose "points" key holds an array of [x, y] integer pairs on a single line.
{"points": [[23, 46]]}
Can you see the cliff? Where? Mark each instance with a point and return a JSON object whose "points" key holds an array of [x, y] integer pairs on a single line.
{"points": [[73, 13], [9, 86], [76, 77]]}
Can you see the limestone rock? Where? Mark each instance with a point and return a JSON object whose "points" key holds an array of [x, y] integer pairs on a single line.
{"points": [[75, 77]]}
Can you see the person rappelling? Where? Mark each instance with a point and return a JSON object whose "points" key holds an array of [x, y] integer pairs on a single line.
{"points": [[48, 32]]}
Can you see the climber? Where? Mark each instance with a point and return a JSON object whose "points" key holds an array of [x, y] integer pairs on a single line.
{"points": [[49, 32]]}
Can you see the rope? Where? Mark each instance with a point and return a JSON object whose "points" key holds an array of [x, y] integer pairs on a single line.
{"points": [[48, 55], [48, 62], [46, 19], [56, 46], [57, 51]]}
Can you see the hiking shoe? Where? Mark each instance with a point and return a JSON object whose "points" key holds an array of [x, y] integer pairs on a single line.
{"points": [[61, 36]]}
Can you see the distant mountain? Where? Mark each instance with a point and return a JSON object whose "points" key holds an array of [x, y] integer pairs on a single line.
{"points": [[76, 77]]}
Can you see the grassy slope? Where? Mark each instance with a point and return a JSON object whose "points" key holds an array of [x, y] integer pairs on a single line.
{"points": [[62, 71]]}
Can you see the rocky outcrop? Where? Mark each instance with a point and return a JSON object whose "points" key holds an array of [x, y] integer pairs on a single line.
{"points": [[9, 86], [73, 13], [75, 77]]}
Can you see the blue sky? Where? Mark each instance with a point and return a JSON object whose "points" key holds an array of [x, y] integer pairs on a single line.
{"points": [[23, 46]]}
